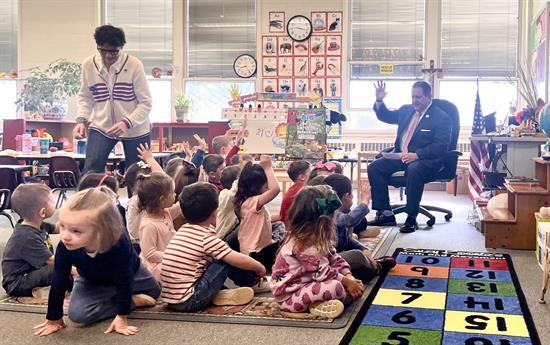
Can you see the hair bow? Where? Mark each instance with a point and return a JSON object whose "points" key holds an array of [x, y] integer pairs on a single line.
{"points": [[329, 204], [329, 166], [105, 177]]}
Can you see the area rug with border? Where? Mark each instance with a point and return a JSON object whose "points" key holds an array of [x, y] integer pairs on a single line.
{"points": [[438, 297]]}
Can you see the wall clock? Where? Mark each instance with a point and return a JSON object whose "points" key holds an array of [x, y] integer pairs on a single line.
{"points": [[299, 28], [245, 66]]}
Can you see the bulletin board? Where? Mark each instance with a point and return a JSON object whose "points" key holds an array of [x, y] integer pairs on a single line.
{"points": [[312, 66]]}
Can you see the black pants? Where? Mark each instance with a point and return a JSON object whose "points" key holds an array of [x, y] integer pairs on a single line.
{"points": [[361, 267], [266, 256], [37, 278], [417, 174]]}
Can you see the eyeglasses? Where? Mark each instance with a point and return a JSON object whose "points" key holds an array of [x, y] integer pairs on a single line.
{"points": [[108, 51]]}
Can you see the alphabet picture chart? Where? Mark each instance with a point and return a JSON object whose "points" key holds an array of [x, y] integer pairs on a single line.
{"points": [[437, 297]]}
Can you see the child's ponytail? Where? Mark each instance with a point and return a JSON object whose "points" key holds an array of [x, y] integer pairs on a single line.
{"points": [[311, 218]]}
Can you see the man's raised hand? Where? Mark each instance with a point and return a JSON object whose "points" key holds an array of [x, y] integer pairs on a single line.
{"points": [[380, 88]]}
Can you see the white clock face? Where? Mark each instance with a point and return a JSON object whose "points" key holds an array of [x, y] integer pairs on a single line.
{"points": [[299, 28], [245, 66]]}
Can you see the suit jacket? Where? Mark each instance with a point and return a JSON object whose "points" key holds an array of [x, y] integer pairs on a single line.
{"points": [[432, 136]]}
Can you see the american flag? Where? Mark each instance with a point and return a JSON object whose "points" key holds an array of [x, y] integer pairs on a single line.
{"points": [[479, 154]]}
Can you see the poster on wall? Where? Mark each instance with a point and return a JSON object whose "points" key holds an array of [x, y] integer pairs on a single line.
{"points": [[334, 66], [269, 67], [269, 85], [319, 21], [277, 22], [318, 45], [300, 66], [285, 67], [336, 130], [285, 46], [285, 85], [334, 22], [333, 87], [269, 46], [334, 45], [301, 87], [318, 86], [306, 133], [317, 66], [301, 48]]}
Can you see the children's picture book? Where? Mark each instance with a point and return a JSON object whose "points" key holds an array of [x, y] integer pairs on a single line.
{"points": [[306, 133]]}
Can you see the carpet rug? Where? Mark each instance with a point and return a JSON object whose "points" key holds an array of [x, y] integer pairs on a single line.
{"points": [[260, 311], [374, 244], [446, 298]]}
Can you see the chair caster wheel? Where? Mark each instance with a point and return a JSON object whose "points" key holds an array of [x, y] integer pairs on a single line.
{"points": [[448, 217], [430, 222]]}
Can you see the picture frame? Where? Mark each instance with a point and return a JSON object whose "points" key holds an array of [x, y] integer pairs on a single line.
{"points": [[276, 22]]}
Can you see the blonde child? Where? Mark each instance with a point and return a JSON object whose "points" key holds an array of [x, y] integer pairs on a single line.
{"points": [[156, 197], [197, 263], [111, 279], [257, 186], [27, 263], [308, 274], [226, 220]]}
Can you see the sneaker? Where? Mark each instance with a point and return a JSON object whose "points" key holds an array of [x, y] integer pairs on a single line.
{"points": [[370, 232], [238, 296], [41, 292], [143, 300], [262, 285], [385, 263], [328, 309]]}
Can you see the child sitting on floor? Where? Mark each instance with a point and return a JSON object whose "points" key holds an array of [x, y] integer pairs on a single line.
{"points": [[308, 274], [226, 220], [157, 198], [257, 187], [111, 279], [28, 258], [196, 263], [354, 252], [146, 166], [213, 166], [298, 171]]}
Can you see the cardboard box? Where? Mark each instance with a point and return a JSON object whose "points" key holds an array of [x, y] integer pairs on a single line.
{"points": [[462, 175], [543, 238]]}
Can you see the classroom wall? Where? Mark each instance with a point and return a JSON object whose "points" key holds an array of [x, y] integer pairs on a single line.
{"points": [[55, 29]]}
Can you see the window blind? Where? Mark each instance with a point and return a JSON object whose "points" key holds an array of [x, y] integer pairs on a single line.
{"points": [[219, 31], [147, 25], [391, 30], [8, 35], [479, 38]]}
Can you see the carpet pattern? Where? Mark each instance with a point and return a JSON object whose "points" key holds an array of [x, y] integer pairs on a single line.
{"points": [[447, 298]]}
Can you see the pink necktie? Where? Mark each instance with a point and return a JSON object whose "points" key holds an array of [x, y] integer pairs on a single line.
{"points": [[410, 131]]}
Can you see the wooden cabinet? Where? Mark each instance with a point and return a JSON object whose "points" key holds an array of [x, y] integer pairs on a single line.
{"points": [[514, 227], [176, 132], [57, 129]]}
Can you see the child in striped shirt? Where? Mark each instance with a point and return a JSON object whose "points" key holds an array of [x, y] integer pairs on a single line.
{"points": [[196, 262]]}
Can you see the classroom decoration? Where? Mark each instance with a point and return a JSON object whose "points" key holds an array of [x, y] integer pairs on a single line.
{"points": [[306, 133], [447, 298], [310, 67]]}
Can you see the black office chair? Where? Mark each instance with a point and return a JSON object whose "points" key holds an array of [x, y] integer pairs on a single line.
{"points": [[446, 174], [64, 175]]}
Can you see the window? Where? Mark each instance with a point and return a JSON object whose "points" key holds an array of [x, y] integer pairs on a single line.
{"points": [[479, 38], [8, 90], [162, 102], [387, 43], [210, 97], [8, 35], [219, 31], [494, 96], [147, 25]]}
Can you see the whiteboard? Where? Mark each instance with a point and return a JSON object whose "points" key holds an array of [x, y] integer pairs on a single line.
{"points": [[264, 136]]}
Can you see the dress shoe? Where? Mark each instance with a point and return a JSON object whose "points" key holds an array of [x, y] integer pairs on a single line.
{"points": [[410, 225], [385, 264], [382, 220]]}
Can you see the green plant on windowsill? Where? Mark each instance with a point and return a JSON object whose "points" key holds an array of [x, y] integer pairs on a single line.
{"points": [[181, 106], [46, 91]]}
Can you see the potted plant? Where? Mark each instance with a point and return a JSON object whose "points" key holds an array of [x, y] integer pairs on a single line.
{"points": [[181, 106], [46, 91]]}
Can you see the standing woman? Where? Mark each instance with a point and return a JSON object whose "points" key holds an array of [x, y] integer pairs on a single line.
{"points": [[114, 101]]}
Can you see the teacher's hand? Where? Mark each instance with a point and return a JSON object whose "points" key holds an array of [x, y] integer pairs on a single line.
{"points": [[117, 129], [380, 90], [408, 158], [79, 130]]}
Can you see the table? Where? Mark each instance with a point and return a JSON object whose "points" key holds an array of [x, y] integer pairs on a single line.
{"points": [[45, 157], [520, 150]]}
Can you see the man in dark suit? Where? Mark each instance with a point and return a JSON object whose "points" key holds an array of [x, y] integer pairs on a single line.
{"points": [[423, 136]]}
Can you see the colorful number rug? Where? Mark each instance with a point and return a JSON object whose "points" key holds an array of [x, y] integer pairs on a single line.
{"points": [[446, 298]]}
